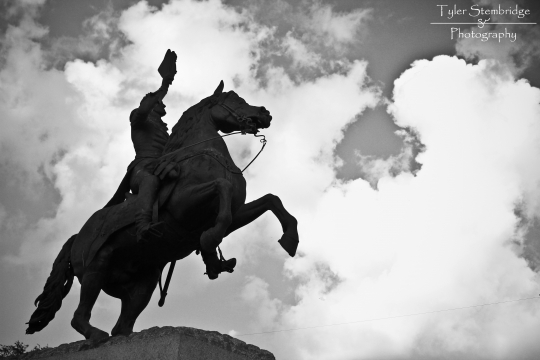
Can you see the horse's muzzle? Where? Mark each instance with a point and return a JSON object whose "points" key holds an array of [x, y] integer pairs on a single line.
{"points": [[263, 119]]}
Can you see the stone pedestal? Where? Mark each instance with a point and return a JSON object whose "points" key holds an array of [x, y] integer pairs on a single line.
{"points": [[167, 343]]}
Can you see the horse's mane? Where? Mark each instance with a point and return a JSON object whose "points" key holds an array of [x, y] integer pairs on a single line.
{"points": [[180, 131]]}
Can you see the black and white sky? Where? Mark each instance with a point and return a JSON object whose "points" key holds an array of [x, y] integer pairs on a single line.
{"points": [[408, 155]]}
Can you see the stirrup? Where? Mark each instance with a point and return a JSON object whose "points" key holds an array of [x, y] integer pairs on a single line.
{"points": [[223, 266], [151, 232], [226, 265], [215, 265]]}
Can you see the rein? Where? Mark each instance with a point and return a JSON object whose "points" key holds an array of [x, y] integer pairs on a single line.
{"points": [[248, 123], [263, 142], [242, 120]]}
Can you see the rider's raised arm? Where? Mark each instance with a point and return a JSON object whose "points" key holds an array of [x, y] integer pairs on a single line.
{"points": [[162, 91], [148, 102], [167, 70]]}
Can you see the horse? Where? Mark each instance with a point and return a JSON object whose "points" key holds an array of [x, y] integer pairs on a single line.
{"points": [[201, 205]]}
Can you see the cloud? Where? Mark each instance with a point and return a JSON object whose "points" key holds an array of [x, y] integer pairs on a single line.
{"points": [[255, 292], [101, 39], [29, 106], [516, 55], [48, 137], [310, 39], [372, 168], [437, 240], [320, 20], [314, 21]]}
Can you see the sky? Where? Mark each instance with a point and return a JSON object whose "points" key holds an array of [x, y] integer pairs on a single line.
{"points": [[408, 155]]}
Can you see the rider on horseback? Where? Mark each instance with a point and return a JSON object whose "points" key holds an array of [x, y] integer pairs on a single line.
{"points": [[149, 135], [206, 204]]}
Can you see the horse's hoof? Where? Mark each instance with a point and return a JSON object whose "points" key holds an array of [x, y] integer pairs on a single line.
{"points": [[125, 333], [97, 335], [93, 343], [289, 243]]}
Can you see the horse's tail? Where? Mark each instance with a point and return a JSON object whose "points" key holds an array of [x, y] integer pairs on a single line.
{"points": [[56, 288]]}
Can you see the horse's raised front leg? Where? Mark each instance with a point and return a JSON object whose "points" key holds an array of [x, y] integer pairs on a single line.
{"points": [[251, 211]]}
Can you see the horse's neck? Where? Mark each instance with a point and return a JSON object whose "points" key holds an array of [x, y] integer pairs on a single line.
{"points": [[203, 134]]}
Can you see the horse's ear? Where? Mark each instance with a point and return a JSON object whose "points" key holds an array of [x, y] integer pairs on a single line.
{"points": [[219, 89]]}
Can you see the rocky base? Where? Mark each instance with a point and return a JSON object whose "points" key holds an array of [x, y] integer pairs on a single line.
{"points": [[166, 343]]}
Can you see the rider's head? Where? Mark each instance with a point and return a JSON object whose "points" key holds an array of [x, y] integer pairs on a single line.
{"points": [[159, 108], [132, 115]]}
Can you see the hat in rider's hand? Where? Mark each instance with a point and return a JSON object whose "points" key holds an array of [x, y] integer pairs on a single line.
{"points": [[167, 69]]}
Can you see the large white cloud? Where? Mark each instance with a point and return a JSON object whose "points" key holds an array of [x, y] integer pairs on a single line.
{"points": [[439, 240]]}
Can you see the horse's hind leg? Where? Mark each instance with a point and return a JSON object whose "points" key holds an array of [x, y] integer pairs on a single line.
{"points": [[135, 302], [91, 285], [251, 211]]}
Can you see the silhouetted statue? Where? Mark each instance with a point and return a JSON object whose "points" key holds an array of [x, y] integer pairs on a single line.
{"points": [[196, 192]]}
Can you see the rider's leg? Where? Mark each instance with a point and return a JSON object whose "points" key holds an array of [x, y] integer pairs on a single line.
{"points": [[193, 195], [211, 238], [91, 285], [148, 187]]}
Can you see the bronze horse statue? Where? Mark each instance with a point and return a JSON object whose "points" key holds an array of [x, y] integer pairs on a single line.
{"points": [[201, 204]]}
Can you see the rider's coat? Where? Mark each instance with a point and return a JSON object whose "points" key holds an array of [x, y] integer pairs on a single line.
{"points": [[149, 135]]}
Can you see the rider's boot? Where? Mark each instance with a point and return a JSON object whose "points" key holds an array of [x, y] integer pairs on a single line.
{"points": [[215, 265], [146, 230]]}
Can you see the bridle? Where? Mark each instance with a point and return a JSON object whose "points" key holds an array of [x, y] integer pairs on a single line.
{"points": [[240, 119], [245, 122]]}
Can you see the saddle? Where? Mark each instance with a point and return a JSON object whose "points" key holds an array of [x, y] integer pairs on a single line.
{"points": [[120, 212], [105, 222], [100, 227]]}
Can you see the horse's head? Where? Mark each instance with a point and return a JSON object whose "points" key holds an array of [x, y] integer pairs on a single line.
{"points": [[232, 113]]}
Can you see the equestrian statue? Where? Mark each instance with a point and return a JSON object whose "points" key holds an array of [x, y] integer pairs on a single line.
{"points": [[183, 193]]}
